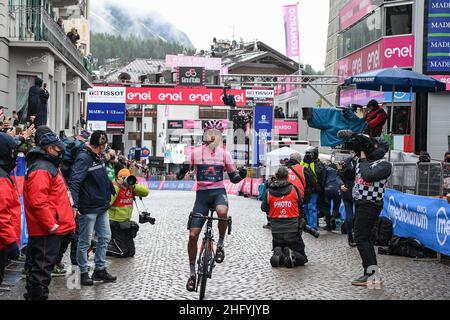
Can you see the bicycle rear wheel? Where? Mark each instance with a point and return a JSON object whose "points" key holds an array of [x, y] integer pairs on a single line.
{"points": [[204, 265]]}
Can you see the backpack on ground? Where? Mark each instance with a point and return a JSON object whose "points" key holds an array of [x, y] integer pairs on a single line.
{"points": [[407, 247]]}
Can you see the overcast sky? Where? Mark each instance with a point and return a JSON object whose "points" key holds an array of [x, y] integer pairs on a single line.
{"points": [[202, 20]]}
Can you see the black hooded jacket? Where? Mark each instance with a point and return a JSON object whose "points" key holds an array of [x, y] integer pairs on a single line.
{"points": [[35, 106], [277, 189], [371, 172]]}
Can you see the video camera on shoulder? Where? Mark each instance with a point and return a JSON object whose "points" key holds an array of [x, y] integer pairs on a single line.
{"points": [[360, 142]]}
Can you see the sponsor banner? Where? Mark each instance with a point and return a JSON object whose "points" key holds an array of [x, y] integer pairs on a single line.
{"points": [[388, 52], [187, 185], [175, 124], [263, 132], [181, 96], [437, 37], [231, 188], [443, 78], [19, 179], [255, 186], [286, 127], [355, 10], [399, 97], [192, 124], [106, 95], [110, 112], [174, 61], [191, 76], [425, 219], [246, 186], [97, 126], [398, 52], [291, 28], [261, 97], [362, 97], [174, 153], [155, 185]]}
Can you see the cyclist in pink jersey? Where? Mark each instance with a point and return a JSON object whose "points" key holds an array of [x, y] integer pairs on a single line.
{"points": [[209, 162]]}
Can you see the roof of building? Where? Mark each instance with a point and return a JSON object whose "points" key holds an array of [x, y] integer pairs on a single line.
{"points": [[257, 51], [137, 68]]}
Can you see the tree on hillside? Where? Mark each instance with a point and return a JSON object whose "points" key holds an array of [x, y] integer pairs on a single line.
{"points": [[105, 46]]}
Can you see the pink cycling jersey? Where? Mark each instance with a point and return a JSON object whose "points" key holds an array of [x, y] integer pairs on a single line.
{"points": [[210, 165]]}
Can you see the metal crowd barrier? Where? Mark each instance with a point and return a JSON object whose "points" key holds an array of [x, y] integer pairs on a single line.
{"points": [[424, 179]]}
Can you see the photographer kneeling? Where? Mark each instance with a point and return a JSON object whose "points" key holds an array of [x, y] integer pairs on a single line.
{"points": [[122, 228], [283, 203]]}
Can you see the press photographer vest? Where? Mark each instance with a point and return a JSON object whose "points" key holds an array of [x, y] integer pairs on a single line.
{"points": [[284, 207], [369, 191], [297, 178], [124, 198]]}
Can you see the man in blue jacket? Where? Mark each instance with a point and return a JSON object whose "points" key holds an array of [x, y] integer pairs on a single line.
{"points": [[91, 191]]}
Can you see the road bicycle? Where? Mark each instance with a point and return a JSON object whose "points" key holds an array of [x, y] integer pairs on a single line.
{"points": [[206, 259]]}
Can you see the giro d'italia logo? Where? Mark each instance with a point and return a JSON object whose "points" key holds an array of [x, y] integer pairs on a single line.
{"points": [[442, 226]]}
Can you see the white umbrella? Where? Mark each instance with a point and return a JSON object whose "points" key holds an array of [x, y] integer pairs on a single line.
{"points": [[273, 158]]}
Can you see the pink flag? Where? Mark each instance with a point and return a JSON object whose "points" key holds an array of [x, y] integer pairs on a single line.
{"points": [[291, 29]]}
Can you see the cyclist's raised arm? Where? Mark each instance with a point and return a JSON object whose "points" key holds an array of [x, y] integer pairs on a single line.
{"points": [[187, 166]]}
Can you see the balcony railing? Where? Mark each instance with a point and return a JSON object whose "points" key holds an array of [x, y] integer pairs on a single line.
{"points": [[35, 24]]}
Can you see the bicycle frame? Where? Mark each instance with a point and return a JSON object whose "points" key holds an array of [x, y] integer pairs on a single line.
{"points": [[206, 259]]}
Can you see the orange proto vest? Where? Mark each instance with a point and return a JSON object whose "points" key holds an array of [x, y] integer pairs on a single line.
{"points": [[124, 198], [297, 178], [284, 207]]}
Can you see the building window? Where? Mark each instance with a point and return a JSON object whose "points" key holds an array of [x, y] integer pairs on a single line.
{"points": [[402, 120], [67, 110], [399, 20], [366, 31], [23, 85]]}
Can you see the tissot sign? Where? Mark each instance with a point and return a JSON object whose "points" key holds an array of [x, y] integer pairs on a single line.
{"points": [[181, 96], [106, 109], [389, 52]]}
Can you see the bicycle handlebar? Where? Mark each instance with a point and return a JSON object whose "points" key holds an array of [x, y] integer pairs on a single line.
{"points": [[200, 216]]}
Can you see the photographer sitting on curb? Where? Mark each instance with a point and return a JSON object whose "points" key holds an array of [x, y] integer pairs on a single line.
{"points": [[122, 228], [371, 172], [283, 203]]}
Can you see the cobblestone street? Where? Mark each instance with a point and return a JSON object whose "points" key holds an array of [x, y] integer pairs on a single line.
{"points": [[160, 268]]}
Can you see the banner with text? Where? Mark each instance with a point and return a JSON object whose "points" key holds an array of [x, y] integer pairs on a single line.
{"points": [[425, 219], [106, 109], [389, 52], [437, 40], [291, 28], [262, 133]]}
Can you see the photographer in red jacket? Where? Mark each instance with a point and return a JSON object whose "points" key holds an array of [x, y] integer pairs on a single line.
{"points": [[10, 211], [376, 118], [48, 210]]}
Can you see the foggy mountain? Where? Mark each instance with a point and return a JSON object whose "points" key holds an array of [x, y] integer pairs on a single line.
{"points": [[118, 19]]}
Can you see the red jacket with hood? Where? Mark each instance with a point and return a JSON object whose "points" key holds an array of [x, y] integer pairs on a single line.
{"points": [[10, 211], [46, 197]]}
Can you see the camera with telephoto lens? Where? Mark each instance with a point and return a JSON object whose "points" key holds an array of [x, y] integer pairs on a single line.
{"points": [[131, 181], [361, 142], [304, 226], [145, 217]]}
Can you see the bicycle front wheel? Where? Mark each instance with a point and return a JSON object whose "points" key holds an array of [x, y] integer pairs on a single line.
{"points": [[204, 277]]}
